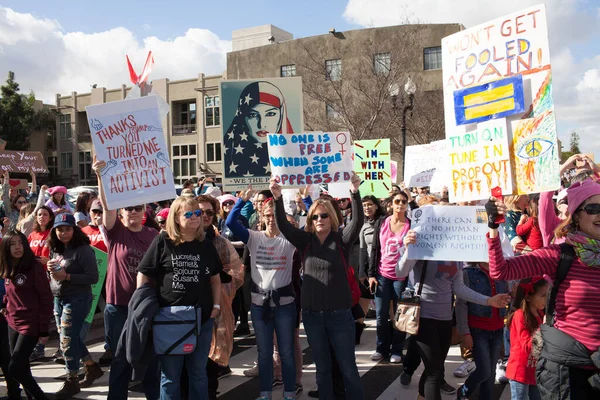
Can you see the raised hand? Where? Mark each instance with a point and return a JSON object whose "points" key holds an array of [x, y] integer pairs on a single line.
{"points": [[275, 188], [247, 194], [354, 183]]}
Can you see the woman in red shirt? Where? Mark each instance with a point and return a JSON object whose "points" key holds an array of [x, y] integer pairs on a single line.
{"points": [[529, 227]]}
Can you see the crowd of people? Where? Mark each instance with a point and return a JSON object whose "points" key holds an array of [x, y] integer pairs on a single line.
{"points": [[185, 275]]}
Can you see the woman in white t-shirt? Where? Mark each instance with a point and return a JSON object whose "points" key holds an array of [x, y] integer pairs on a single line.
{"points": [[273, 307]]}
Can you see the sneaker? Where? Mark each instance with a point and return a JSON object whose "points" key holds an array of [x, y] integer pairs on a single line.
{"points": [[105, 358], [501, 372], [224, 371], [69, 389], [252, 372], [394, 359], [448, 389], [242, 330], [58, 357], [405, 379], [92, 372], [277, 382], [377, 356], [465, 369], [299, 388], [39, 352]]}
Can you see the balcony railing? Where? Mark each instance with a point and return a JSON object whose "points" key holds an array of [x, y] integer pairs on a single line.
{"points": [[84, 138], [184, 129]]}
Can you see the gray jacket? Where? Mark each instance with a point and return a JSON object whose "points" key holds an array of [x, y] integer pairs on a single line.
{"points": [[80, 263]]}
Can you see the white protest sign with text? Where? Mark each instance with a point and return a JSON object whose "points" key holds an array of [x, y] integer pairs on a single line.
{"points": [[452, 233], [128, 135], [425, 165]]}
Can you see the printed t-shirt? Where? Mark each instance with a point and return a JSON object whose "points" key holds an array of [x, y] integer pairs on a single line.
{"points": [[182, 272], [392, 248], [96, 238], [271, 264], [521, 363], [125, 251], [37, 242]]}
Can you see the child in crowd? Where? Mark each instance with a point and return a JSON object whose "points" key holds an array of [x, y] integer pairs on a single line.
{"points": [[529, 227], [525, 318]]}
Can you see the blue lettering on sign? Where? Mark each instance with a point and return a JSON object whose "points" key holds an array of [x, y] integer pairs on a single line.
{"points": [[277, 140], [335, 158], [301, 179], [303, 138], [289, 161]]}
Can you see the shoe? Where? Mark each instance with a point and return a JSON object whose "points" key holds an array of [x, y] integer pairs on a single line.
{"points": [[69, 389], [501, 372], [314, 393], [299, 388], [448, 389], [92, 372], [394, 359], [460, 395], [39, 352], [242, 330], [277, 382], [465, 369], [224, 371], [405, 379], [252, 372], [377, 356], [105, 358]]}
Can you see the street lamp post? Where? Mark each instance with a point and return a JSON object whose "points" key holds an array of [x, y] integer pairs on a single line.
{"points": [[410, 88]]}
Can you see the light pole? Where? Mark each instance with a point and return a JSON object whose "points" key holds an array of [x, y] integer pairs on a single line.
{"points": [[410, 88]]}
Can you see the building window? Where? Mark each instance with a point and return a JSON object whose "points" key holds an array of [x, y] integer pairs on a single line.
{"points": [[288, 70], [432, 58], [332, 113], [66, 160], [213, 152], [333, 70], [51, 140], [211, 111], [382, 63], [184, 162], [52, 166], [85, 167], [186, 122], [65, 126]]}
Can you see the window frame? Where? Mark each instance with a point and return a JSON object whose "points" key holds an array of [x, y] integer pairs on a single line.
{"points": [[68, 129], [427, 58], [69, 156], [220, 153], [180, 160], [287, 68], [380, 68], [329, 64], [216, 106]]}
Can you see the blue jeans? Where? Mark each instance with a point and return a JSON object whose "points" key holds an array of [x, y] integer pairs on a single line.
{"points": [[506, 336], [521, 391], [283, 322], [114, 321], [70, 314], [487, 346], [172, 367], [388, 290], [333, 330]]}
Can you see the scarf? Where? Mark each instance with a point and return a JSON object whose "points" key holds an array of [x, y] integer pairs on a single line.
{"points": [[586, 248]]}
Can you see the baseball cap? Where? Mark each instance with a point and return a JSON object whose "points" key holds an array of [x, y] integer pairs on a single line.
{"points": [[96, 205], [64, 219]]}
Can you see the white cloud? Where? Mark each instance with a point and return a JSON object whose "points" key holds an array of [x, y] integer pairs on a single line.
{"points": [[576, 80], [48, 60]]}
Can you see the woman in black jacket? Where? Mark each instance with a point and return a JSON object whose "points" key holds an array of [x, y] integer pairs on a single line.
{"points": [[326, 294]]}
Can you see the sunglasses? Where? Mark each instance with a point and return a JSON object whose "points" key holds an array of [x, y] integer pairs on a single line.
{"points": [[190, 214], [209, 213], [591, 209], [97, 212], [398, 201], [228, 203], [316, 216], [136, 208], [21, 202]]}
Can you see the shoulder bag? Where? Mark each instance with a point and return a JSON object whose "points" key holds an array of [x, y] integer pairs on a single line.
{"points": [[408, 311]]}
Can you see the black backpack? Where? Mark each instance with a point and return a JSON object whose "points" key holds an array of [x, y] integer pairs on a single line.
{"points": [[567, 255]]}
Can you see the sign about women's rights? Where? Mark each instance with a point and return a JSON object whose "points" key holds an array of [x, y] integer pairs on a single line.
{"points": [[449, 233], [310, 158], [128, 135]]}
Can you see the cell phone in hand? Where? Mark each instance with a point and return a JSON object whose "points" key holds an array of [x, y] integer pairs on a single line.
{"points": [[497, 193]]}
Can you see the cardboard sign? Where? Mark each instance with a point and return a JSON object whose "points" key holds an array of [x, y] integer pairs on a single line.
{"points": [[102, 261], [128, 135], [500, 70], [303, 159], [18, 183], [23, 161], [452, 233], [251, 109], [425, 165], [372, 164]]}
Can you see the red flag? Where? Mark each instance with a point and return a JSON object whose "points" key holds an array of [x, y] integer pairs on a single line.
{"points": [[140, 80]]}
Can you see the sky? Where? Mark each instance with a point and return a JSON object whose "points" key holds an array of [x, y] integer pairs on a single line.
{"points": [[64, 46]]}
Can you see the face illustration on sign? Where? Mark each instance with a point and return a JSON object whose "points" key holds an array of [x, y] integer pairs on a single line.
{"points": [[263, 119]]}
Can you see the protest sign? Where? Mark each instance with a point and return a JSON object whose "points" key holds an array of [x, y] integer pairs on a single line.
{"points": [[450, 233], [18, 183], [501, 70], [250, 110], [425, 165], [372, 164], [128, 135], [102, 262], [23, 161], [301, 159]]}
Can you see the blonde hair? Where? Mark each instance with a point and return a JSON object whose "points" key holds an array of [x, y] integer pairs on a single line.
{"points": [[335, 222], [511, 201], [427, 200], [172, 228]]}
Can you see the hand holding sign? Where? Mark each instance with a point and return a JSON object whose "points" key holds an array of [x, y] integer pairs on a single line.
{"points": [[410, 238], [275, 188], [98, 166]]}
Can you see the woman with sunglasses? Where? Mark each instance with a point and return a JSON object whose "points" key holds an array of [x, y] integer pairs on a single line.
{"points": [[227, 201], [386, 251], [273, 307], [161, 218], [326, 294], [576, 330], [184, 268]]}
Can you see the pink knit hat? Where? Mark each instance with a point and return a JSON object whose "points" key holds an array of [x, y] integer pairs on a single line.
{"points": [[579, 192], [57, 189], [227, 197]]}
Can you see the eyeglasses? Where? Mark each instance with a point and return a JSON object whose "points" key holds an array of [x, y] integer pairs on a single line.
{"points": [[161, 221], [228, 203], [21, 202], [136, 208], [398, 201], [189, 214], [209, 213], [316, 216], [591, 209]]}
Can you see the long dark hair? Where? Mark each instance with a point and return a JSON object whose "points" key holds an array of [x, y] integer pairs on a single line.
{"points": [[36, 225], [379, 211], [63, 201], [79, 239], [7, 269], [82, 202], [520, 303]]}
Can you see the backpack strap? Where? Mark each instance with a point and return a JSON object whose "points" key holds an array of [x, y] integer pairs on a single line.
{"points": [[567, 256]]}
